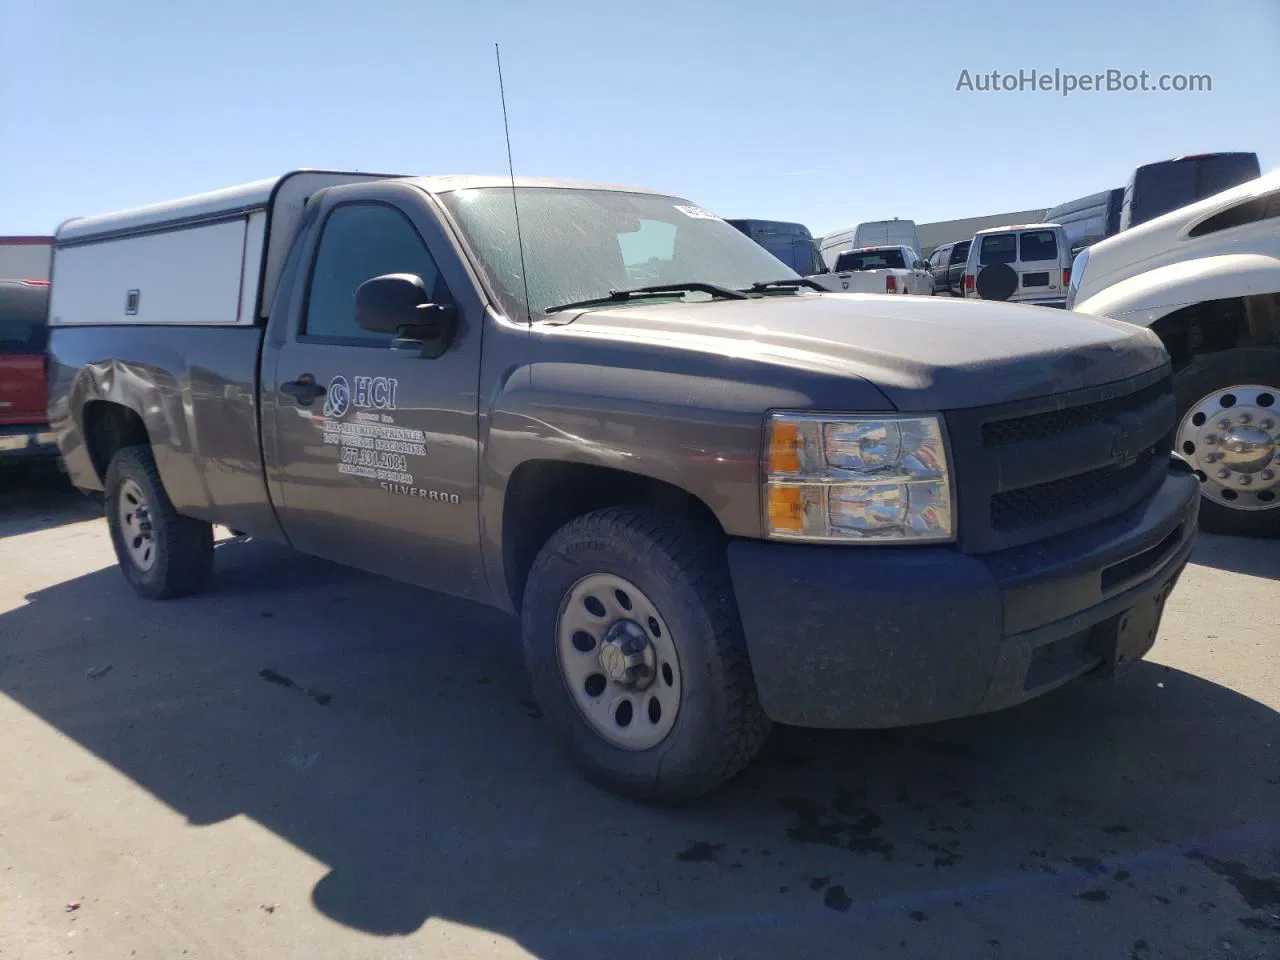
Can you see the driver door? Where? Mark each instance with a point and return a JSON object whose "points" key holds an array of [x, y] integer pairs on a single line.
{"points": [[374, 446]]}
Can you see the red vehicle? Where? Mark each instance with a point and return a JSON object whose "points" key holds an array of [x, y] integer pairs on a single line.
{"points": [[24, 416]]}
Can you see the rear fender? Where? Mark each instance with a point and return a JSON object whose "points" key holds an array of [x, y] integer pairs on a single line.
{"points": [[155, 395]]}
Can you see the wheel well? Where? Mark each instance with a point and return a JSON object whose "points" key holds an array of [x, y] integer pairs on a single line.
{"points": [[544, 495], [109, 427], [1217, 325]]}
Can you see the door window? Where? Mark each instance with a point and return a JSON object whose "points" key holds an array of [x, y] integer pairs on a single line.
{"points": [[361, 241]]}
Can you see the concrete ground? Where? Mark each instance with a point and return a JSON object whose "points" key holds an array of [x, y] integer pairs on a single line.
{"points": [[307, 762]]}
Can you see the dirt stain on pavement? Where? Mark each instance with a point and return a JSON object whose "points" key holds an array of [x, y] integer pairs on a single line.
{"points": [[281, 680], [837, 899], [1257, 892], [849, 827], [944, 853], [1090, 865], [700, 852], [1260, 924]]}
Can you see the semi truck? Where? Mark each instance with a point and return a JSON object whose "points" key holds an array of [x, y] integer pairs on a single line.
{"points": [[1206, 279], [715, 501]]}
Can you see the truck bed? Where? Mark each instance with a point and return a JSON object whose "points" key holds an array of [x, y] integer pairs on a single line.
{"points": [[862, 281], [205, 431]]}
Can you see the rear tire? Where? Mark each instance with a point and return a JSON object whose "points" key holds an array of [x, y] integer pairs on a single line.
{"points": [[1201, 387], [161, 553], [679, 573]]}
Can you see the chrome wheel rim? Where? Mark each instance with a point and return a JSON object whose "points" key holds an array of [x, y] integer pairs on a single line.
{"points": [[1231, 438], [135, 525], [618, 661]]}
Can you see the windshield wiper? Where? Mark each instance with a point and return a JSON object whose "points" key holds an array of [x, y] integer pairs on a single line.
{"points": [[792, 284], [659, 290]]}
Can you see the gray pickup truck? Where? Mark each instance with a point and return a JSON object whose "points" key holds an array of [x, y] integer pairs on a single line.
{"points": [[715, 496]]}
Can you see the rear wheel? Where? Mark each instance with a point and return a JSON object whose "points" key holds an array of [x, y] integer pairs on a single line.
{"points": [[161, 553], [636, 655], [1229, 431]]}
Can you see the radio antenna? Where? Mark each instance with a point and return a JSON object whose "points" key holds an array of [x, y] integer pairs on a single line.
{"points": [[515, 203]]}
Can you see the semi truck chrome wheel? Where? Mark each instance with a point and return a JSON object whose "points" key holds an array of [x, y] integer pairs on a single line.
{"points": [[135, 525], [618, 661], [1231, 438]]}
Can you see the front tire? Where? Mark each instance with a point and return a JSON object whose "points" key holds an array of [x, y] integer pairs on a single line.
{"points": [[1238, 464], [636, 655], [161, 553]]}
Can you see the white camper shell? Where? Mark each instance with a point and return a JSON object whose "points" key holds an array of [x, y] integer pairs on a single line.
{"points": [[210, 259]]}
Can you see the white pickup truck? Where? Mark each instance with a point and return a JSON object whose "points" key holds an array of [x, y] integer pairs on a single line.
{"points": [[1206, 279], [878, 270]]}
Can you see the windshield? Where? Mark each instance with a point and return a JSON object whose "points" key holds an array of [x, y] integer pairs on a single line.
{"points": [[890, 259], [583, 244]]}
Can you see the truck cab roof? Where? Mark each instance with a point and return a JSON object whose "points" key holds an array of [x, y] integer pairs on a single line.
{"points": [[260, 194]]}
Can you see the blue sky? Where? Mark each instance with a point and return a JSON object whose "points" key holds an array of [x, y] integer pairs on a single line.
{"points": [[744, 107]]}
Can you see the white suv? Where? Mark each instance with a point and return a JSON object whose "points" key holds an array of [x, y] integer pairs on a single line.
{"points": [[1026, 263]]}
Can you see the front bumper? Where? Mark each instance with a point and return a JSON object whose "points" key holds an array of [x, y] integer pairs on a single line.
{"points": [[34, 442], [877, 637]]}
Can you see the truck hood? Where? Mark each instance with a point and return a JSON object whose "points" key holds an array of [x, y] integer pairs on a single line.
{"points": [[922, 353]]}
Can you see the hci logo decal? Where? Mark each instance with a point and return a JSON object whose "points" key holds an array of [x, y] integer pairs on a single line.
{"points": [[338, 400], [363, 393]]}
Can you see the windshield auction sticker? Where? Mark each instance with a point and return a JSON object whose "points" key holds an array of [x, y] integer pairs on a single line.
{"points": [[696, 213]]}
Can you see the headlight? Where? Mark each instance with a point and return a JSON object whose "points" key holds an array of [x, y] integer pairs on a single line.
{"points": [[879, 479], [1077, 271]]}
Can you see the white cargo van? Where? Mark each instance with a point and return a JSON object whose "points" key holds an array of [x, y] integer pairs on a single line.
{"points": [[873, 233], [1023, 263]]}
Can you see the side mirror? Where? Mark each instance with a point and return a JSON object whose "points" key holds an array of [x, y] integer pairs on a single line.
{"points": [[397, 303]]}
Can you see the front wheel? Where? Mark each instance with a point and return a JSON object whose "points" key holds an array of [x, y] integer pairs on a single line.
{"points": [[161, 553], [1229, 431], [636, 654]]}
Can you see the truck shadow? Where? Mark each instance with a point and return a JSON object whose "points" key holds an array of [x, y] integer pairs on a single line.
{"points": [[1253, 557], [388, 733], [38, 497]]}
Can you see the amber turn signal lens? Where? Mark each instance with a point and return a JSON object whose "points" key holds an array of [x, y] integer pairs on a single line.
{"points": [[786, 509], [784, 447]]}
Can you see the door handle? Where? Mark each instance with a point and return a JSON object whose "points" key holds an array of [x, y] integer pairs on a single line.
{"points": [[304, 390]]}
